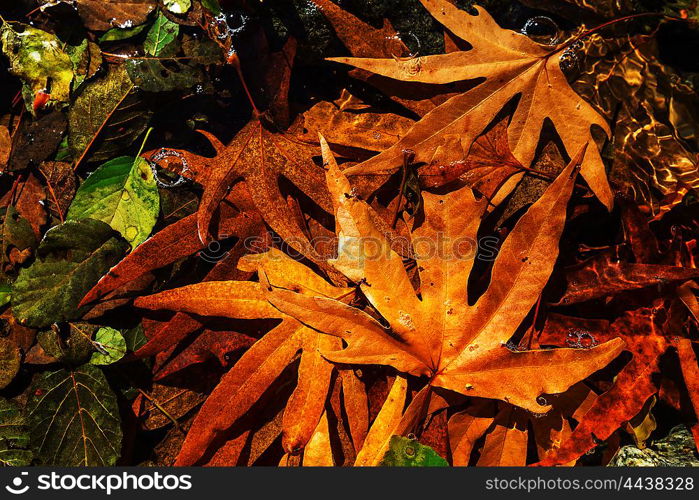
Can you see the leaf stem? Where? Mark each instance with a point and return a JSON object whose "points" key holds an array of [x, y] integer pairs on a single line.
{"points": [[616, 21], [234, 61]]}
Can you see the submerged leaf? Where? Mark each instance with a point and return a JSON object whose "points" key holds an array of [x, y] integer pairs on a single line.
{"points": [[74, 418], [123, 193], [406, 452], [110, 345], [70, 260], [38, 58], [14, 436]]}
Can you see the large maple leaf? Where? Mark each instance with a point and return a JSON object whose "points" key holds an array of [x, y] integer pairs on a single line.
{"points": [[511, 66], [434, 332]]}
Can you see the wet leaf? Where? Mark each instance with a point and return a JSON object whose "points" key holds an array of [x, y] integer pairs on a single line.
{"points": [[123, 193], [17, 240], [9, 361], [155, 75], [61, 186], [106, 117], [101, 15], [73, 347], [14, 436], [37, 57], [110, 345], [512, 65], [70, 260], [405, 452], [36, 140], [463, 351], [161, 36], [74, 418]]}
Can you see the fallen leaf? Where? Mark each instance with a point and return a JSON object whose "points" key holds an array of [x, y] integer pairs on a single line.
{"points": [[512, 65], [70, 259], [74, 418], [123, 193]]}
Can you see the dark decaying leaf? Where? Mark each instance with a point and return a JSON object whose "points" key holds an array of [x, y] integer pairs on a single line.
{"points": [[106, 117], [14, 436], [70, 260], [9, 361], [74, 418], [61, 185], [601, 277], [36, 140], [101, 15]]}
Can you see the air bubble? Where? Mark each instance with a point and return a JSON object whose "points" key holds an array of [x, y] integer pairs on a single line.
{"points": [[161, 155], [395, 46], [580, 339], [542, 29]]}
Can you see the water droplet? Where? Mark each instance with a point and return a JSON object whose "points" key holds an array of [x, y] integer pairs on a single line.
{"points": [[130, 233], [125, 196], [542, 29], [399, 50]]}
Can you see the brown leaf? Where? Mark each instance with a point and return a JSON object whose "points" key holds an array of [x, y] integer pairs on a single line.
{"points": [[487, 166], [5, 147], [61, 185], [164, 405], [174, 242], [439, 335], [101, 15], [306, 405], [318, 452], [356, 406], [260, 157], [241, 387], [348, 123], [601, 277], [512, 65], [633, 385]]}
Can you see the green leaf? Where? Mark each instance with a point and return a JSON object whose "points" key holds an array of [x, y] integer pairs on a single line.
{"points": [[74, 348], [38, 59], [111, 346], [107, 117], [135, 338], [71, 258], [74, 418], [161, 36], [405, 452], [86, 58], [5, 293], [177, 6], [212, 6], [14, 436], [123, 193], [154, 75], [117, 34], [9, 362]]}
